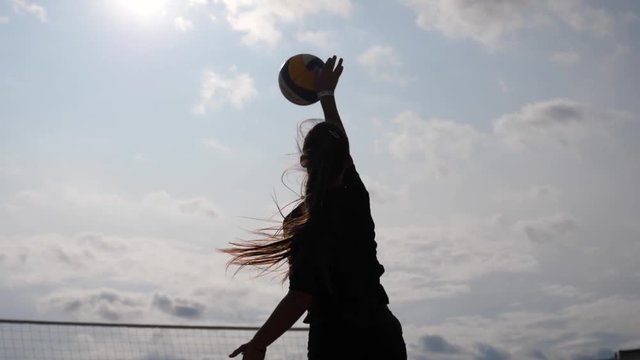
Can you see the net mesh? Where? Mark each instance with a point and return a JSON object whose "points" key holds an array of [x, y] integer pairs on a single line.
{"points": [[29, 340]]}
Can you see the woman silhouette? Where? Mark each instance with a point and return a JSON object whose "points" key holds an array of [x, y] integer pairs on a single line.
{"points": [[329, 243]]}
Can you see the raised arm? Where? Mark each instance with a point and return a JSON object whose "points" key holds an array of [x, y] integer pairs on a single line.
{"points": [[326, 82]]}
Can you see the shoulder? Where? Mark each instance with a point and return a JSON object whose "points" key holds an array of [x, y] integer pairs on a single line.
{"points": [[351, 178], [297, 212]]}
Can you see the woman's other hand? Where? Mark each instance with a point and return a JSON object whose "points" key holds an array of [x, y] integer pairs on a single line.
{"points": [[249, 352]]}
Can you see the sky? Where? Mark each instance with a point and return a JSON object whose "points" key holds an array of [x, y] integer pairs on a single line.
{"points": [[498, 141]]}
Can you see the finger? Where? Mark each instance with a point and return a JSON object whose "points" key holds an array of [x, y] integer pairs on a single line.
{"points": [[330, 62], [339, 67], [237, 351]]}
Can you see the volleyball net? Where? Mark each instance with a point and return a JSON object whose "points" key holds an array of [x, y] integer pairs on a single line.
{"points": [[51, 340]]}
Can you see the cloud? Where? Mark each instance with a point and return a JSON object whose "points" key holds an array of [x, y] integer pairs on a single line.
{"points": [[198, 206], [531, 195], [581, 16], [23, 6], [488, 352], [435, 141], [320, 39], [490, 21], [565, 291], [382, 193], [100, 304], [537, 354], [596, 355], [440, 261], [437, 344], [117, 305], [99, 272], [467, 19], [383, 63], [211, 143], [527, 206], [563, 121], [4, 20], [543, 192], [218, 89], [538, 158], [64, 208], [547, 229], [156, 202], [183, 24], [566, 346], [178, 307], [565, 57], [261, 20], [377, 57], [587, 327]]}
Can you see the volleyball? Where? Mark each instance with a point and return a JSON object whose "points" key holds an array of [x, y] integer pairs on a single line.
{"points": [[296, 78]]}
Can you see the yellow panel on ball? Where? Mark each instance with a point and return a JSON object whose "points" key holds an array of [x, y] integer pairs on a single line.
{"points": [[297, 76], [304, 77]]}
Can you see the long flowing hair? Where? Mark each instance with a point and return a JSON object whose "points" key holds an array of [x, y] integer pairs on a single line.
{"points": [[323, 155]]}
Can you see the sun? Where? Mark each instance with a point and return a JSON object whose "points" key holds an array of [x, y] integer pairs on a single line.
{"points": [[143, 11]]}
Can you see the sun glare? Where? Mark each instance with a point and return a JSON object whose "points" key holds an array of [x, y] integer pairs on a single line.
{"points": [[143, 11]]}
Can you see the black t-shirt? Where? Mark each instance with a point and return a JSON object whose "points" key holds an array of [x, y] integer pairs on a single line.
{"points": [[334, 257]]}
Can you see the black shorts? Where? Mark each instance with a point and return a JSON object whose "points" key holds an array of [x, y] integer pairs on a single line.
{"points": [[379, 337]]}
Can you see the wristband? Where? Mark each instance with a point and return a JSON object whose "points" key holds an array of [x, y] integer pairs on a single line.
{"points": [[324, 93]]}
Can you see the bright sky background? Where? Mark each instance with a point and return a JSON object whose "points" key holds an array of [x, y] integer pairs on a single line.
{"points": [[498, 140]]}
